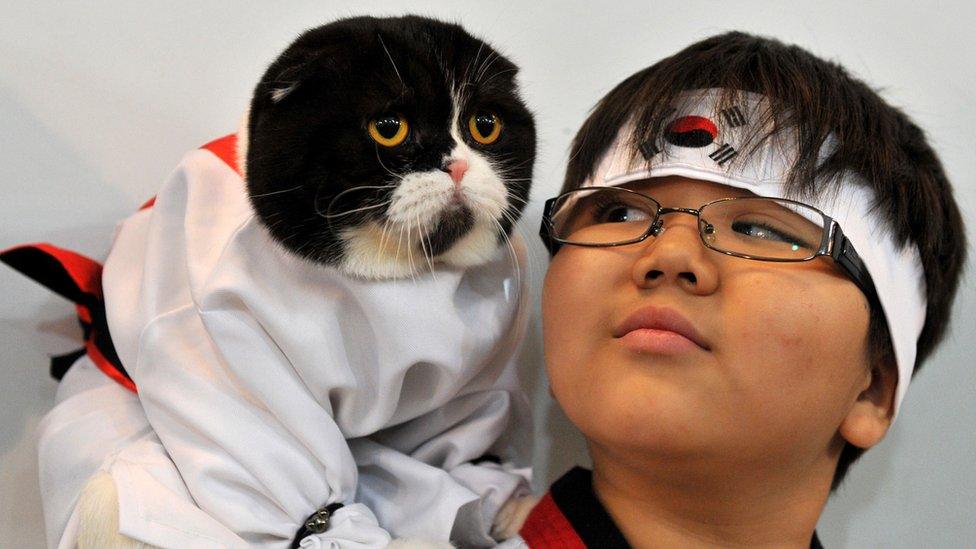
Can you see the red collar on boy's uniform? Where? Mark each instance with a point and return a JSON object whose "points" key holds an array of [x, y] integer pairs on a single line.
{"points": [[570, 516]]}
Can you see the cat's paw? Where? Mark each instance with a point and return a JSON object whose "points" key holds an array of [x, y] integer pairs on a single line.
{"points": [[512, 515], [98, 510], [408, 543]]}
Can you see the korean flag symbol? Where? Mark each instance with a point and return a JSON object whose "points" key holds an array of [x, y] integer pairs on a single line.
{"points": [[695, 131], [691, 131]]}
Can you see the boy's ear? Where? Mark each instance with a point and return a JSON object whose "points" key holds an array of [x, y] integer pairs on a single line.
{"points": [[869, 418]]}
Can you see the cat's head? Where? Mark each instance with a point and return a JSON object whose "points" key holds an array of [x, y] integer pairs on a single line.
{"points": [[383, 145]]}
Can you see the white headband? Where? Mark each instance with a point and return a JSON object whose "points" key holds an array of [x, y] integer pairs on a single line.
{"points": [[703, 144]]}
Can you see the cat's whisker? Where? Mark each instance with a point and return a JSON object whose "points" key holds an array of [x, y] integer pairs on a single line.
{"points": [[502, 170], [381, 248], [315, 204], [519, 192], [382, 165], [330, 216], [431, 245], [532, 258], [276, 192], [358, 187], [390, 57], [486, 64], [514, 256], [501, 166], [410, 252], [429, 257], [510, 217], [503, 71], [396, 258], [408, 249], [477, 54]]}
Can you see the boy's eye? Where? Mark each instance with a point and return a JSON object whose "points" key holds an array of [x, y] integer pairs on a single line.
{"points": [[764, 231], [621, 214]]}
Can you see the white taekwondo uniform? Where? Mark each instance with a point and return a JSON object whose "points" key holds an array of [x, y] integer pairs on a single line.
{"points": [[269, 386]]}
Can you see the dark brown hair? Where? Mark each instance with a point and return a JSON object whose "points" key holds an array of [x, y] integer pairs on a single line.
{"points": [[813, 98]]}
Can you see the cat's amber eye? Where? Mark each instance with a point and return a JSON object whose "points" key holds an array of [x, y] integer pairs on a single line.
{"points": [[389, 130], [485, 127]]}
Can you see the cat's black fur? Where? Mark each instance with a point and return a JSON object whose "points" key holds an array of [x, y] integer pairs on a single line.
{"points": [[307, 138]]}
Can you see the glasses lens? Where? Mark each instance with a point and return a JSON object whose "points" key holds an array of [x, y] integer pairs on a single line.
{"points": [[763, 228], [605, 215]]}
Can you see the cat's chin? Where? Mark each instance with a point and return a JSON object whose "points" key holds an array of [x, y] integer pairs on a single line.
{"points": [[477, 247], [372, 255]]}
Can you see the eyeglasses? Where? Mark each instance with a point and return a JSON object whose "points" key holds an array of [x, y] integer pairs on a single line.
{"points": [[758, 228]]}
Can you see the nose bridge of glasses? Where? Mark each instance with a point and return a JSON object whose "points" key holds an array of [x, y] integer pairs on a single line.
{"points": [[689, 211], [658, 225]]}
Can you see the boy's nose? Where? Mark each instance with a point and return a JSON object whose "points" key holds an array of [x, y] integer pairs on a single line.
{"points": [[676, 256]]}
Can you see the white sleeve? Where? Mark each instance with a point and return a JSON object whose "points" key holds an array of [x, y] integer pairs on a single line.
{"points": [[427, 478], [254, 449], [97, 425], [351, 527], [255, 471], [93, 417], [423, 479]]}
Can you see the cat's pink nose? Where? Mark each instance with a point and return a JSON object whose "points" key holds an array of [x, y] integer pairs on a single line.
{"points": [[456, 168]]}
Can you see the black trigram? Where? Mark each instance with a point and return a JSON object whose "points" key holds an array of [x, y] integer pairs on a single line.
{"points": [[733, 117], [649, 148], [723, 154]]}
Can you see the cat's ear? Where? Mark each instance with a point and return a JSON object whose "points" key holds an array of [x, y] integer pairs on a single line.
{"points": [[277, 94], [292, 69], [285, 81]]}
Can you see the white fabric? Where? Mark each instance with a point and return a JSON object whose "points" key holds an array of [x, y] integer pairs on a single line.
{"points": [[270, 386], [897, 271]]}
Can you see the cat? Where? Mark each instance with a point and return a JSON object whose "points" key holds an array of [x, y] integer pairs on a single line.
{"points": [[379, 147], [417, 133]]}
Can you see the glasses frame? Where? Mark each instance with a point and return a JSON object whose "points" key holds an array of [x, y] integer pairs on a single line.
{"points": [[833, 242]]}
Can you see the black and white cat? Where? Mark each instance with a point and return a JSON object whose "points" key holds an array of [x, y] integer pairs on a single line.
{"points": [[381, 145]]}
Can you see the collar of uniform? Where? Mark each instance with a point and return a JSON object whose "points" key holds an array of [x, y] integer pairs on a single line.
{"points": [[571, 515]]}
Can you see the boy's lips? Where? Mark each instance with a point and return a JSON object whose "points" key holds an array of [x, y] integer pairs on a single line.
{"points": [[659, 320]]}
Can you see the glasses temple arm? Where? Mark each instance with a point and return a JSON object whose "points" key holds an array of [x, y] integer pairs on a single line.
{"points": [[545, 228], [843, 252]]}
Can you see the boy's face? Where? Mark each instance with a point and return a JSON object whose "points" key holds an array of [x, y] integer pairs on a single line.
{"points": [[784, 356]]}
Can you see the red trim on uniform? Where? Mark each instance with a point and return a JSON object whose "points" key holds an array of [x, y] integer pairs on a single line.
{"points": [[226, 149], [83, 313], [148, 204], [85, 272], [546, 526], [106, 367], [85, 275]]}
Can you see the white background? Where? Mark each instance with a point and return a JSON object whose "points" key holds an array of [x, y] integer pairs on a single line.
{"points": [[98, 100]]}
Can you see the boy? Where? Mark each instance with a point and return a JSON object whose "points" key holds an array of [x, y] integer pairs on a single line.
{"points": [[724, 395]]}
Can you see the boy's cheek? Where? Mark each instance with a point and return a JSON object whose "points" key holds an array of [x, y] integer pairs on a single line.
{"points": [[794, 356]]}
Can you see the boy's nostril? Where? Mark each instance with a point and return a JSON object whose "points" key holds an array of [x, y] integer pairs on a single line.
{"points": [[653, 275], [690, 277]]}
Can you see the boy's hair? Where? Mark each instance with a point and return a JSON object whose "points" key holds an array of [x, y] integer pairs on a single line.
{"points": [[813, 98]]}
